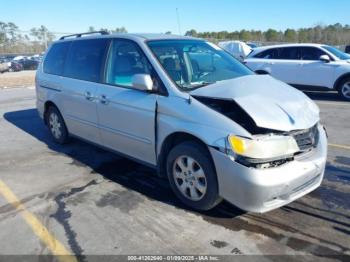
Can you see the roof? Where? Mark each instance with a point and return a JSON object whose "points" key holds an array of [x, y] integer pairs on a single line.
{"points": [[141, 36], [287, 45], [159, 36]]}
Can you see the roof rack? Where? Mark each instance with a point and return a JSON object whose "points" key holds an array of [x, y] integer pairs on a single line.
{"points": [[88, 33]]}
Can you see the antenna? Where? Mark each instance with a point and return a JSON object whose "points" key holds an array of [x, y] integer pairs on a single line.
{"points": [[178, 20]]}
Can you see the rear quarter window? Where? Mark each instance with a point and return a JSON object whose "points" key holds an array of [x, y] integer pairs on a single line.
{"points": [[55, 58], [86, 59]]}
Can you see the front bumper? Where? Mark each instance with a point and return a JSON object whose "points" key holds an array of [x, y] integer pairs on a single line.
{"points": [[261, 190]]}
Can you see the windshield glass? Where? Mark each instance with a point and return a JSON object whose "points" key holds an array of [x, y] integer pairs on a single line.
{"points": [[335, 51], [194, 63]]}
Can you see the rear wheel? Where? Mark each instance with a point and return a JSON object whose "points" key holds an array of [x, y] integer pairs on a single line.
{"points": [[344, 89], [192, 176], [56, 125]]}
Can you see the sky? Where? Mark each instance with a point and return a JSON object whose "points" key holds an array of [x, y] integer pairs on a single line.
{"points": [[159, 16]]}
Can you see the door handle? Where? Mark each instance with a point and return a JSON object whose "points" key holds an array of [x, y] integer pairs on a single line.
{"points": [[104, 100], [89, 96], [270, 63]]}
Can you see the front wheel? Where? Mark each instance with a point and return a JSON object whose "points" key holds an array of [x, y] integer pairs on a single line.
{"points": [[192, 176], [344, 89]]}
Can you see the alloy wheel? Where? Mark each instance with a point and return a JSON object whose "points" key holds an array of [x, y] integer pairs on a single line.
{"points": [[346, 90]]}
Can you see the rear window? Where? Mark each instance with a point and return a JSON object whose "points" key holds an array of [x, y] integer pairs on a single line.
{"points": [[55, 58], [85, 59]]}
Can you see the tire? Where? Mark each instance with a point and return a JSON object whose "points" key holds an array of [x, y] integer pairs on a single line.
{"points": [[344, 89], [56, 125], [199, 191]]}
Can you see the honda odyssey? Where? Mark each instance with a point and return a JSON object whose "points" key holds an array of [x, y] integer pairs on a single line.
{"points": [[188, 109]]}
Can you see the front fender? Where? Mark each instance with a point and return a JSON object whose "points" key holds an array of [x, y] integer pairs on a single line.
{"points": [[192, 117]]}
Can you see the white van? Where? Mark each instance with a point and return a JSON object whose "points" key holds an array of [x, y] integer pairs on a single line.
{"points": [[188, 109]]}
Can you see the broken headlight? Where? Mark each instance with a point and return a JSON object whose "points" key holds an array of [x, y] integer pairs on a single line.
{"points": [[264, 147]]}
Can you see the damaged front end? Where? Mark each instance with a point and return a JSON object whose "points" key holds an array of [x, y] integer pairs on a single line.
{"points": [[267, 147]]}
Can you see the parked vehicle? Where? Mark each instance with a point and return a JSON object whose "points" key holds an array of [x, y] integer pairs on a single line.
{"points": [[252, 45], [28, 64], [12, 66], [188, 109], [15, 66], [20, 57], [238, 49], [3, 66], [347, 49], [305, 66]]}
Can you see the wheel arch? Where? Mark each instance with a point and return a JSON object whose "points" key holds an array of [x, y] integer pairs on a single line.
{"points": [[172, 140], [339, 80], [47, 105]]}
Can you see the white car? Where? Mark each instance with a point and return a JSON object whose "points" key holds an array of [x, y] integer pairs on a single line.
{"points": [[238, 49], [305, 66]]}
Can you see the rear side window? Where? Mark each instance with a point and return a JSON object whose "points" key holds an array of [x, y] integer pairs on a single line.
{"points": [[86, 59], [55, 58], [268, 54], [289, 53]]}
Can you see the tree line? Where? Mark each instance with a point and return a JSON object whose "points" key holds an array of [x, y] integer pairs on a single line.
{"points": [[14, 41], [336, 34], [36, 40]]}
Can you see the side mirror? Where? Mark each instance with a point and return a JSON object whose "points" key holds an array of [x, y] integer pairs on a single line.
{"points": [[142, 82], [325, 58]]}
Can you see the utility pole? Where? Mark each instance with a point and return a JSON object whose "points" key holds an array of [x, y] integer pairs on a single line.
{"points": [[45, 39], [178, 20]]}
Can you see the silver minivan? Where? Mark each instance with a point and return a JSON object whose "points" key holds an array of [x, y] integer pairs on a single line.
{"points": [[187, 108]]}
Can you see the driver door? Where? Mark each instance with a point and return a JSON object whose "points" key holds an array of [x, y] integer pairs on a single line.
{"points": [[312, 71], [126, 115]]}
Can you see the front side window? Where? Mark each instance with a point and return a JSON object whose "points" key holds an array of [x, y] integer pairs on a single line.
{"points": [[85, 59], [125, 60], [55, 58], [195, 63], [311, 53], [336, 52]]}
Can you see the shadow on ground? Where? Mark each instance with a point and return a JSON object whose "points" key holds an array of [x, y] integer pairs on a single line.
{"points": [[123, 171], [324, 96]]}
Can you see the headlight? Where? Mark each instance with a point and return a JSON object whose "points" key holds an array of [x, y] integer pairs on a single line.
{"points": [[266, 147]]}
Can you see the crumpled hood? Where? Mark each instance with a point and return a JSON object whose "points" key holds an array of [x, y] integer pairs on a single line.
{"points": [[270, 103]]}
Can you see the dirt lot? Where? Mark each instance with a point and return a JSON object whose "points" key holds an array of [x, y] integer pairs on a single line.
{"points": [[17, 79], [86, 201]]}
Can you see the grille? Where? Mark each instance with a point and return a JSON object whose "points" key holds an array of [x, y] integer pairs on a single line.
{"points": [[306, 139]]}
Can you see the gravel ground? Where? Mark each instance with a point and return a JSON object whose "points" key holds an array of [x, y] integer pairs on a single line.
{"points": [[17, 79]]}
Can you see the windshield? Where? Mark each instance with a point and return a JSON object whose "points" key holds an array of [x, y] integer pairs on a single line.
{"points": [[193, 63], [335, 51]]}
